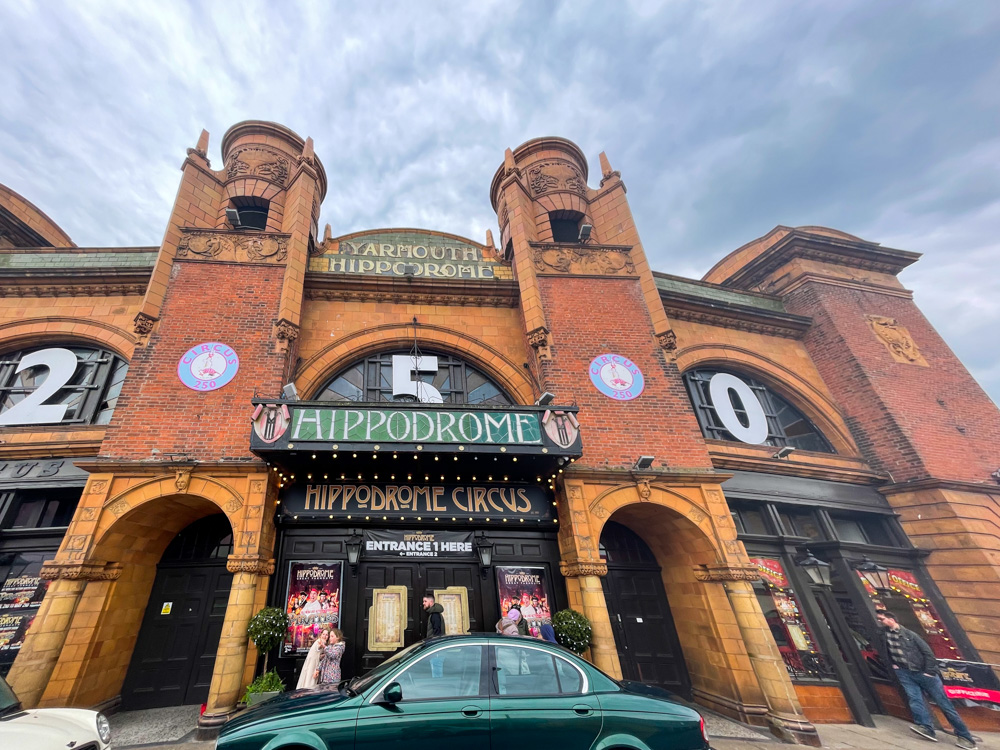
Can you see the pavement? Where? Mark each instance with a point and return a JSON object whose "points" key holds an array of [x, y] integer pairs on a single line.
{"points": [[174, 729]]}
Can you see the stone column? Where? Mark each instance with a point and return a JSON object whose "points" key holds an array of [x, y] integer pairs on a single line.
{"points": [[784, 716], [38, 657], [587, 576], [249, 572]]}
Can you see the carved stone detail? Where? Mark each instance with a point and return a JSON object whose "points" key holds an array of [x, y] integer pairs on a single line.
{"points": [[555, 174], [250, 564], [697, 515], [726, 573], [503, 214], [897, 340], [119, 507], [81, 571], [580, 569], [538, 337], [257, 486], [143, 324], [183, 480], [612, 175], [667, 341], [98, 486], [255, 161], [587, 261], [644, 490], [239, 247], [234, 505], [286, 331]]}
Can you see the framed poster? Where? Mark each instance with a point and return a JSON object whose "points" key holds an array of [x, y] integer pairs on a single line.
{"points": [[455, 600], [387, 618], [312, 601], [528, 589]]}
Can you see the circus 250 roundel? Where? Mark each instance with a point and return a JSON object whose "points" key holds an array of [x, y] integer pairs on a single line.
{"points": [[208, 366], [617, 377]]}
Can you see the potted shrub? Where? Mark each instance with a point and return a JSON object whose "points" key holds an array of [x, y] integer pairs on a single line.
{"points": [[267, 630], [572, 630]]}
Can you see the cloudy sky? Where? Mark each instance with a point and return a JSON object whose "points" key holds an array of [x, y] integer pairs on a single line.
{"points": [[725, 118]]}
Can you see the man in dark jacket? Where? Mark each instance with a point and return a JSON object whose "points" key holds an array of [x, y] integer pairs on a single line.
{"points": [[915, 666], [435, 620]]}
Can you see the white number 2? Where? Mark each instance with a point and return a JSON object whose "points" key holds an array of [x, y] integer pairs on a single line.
{"points": [[33, 409], [403, 365]]}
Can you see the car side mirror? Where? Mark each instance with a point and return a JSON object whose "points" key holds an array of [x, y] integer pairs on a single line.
{"points": [[393, 693]]}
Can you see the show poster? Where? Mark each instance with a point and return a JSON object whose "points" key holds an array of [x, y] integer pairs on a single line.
{"points": [[25, 590], [528, 589], [313, 601], [13, 629]]}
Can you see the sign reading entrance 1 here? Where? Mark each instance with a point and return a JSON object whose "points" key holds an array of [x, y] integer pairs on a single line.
{"points": [[415, 426]]}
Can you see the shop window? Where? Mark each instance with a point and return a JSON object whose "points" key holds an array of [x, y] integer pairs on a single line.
{"points": [[791, 633], [40, 509], [44, 385], [371, 380], [862, 530], [799, 523], [750, 520], [785, 425], [252, 211]]}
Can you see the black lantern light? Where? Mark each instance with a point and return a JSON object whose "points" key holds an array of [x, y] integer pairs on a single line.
{"points": [[818, 571], [484, 548], [876, 575], [354, 551]]}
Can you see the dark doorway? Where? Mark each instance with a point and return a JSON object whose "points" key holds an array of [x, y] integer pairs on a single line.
{"points": [[174, 655], [645, 636], [418, 578]]}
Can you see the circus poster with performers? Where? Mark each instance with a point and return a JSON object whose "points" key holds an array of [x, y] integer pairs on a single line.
{"points": [[312, 601], [527, 589]]}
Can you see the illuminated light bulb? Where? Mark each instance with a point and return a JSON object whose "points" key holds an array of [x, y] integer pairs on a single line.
{"points": [[515, 458], [348, 517], [442, 477], [402, 518], [295, 517], [435, 458], [409, 476], [314, 455], [560, 471], [341, 476], [505, 520], [454, 519], [487, 519], [394, 455], [275, 468], [374, 455], [521, 520], [309, 476], [505, 478], [473, 479], [435, 519], [458, 479], [367, 518], [355, 455], [414, 456], [419, 518], [489, 479], [392, 477], [334, 455], [376, 476], [326, 476], [385, 518], [427, 478], [331, 516], [456, 458]]}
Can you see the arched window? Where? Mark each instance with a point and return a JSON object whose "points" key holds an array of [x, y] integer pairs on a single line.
{"points": [[371, 380], [66, 384], [785, 425]]}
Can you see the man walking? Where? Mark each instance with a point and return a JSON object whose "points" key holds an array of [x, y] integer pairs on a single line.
{"points": [[435, 618], [915, 667]]}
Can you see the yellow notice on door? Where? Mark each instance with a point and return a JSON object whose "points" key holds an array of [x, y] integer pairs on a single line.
{"points": [[165, 609]]}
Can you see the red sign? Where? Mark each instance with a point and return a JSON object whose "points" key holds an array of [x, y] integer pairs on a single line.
{"points": [[771, 571]]}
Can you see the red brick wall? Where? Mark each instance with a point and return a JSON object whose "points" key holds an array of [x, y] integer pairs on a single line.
{"points": [[236, 305], [914, 422], [591, 316]]}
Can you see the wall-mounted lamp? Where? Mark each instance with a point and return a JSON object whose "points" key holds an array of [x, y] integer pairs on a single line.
{"points": [[644, 462], [817, 570], [784, 452], [484, 548], [585, 230], [233, 217], [874, 574], [290, 392], [353, 545], [545, 399]]}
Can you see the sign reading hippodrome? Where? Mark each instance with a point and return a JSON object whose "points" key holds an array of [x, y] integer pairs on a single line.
{"points": [[419, 254], [291, 425]]}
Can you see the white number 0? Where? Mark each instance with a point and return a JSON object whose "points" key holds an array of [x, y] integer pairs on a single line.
{"points": [[33, 409], [403, 366], [720, 388]]}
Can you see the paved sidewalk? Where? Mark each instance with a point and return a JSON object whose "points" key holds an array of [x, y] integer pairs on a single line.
{"points": [[890, 734]]}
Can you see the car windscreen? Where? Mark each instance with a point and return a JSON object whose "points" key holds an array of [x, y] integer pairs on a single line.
{"points": [[8, 701], [360, 684]]}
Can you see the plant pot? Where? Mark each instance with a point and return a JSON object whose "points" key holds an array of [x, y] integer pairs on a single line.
{"points": [[254, 698]]}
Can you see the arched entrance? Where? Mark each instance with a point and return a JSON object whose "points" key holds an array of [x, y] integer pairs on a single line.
{"points": [[646, 639], [174, 656]]}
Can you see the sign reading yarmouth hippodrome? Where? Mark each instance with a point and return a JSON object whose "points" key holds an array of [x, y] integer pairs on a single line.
{"points": [[288, 426]]}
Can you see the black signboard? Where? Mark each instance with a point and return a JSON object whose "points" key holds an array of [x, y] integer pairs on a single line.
{"points": [[970, 681], [419, 544], [396, 502]]}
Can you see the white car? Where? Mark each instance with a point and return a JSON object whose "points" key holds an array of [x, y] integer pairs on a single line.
{"points": [[50, 728]]}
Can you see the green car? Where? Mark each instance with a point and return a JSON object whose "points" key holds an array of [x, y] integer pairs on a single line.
{"points": [[472, 691]]}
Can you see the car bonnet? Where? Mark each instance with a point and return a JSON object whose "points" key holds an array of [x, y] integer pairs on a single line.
{"points": [[284, 704]]}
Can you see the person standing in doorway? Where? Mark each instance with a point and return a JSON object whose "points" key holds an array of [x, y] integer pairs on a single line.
{"points": [[915, 666], [329, 663], [435, 618]]}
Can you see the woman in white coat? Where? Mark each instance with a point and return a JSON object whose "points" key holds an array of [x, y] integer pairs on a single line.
{"points": [[307, 679]]}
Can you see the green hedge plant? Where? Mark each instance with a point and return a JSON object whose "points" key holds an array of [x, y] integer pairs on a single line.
{"points": [[572, 630], [269, 682], [267, 630]]}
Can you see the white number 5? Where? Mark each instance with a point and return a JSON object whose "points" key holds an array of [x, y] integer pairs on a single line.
{"points": [[403, 365], [33, 409]]}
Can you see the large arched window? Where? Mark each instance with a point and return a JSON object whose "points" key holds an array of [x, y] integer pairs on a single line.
{"points": [[65, 384], [785, 425], [371, 380]]}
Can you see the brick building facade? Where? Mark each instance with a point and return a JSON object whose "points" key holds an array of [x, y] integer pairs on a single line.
{"points": [[793, 406]]}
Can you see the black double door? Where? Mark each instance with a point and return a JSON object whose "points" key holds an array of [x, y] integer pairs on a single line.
{"points": [[418, 578], [174, 655], [645, 637]]}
